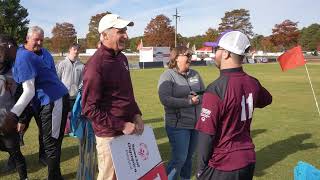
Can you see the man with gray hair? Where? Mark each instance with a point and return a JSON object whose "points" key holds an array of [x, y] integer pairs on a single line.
{"points": [[107, 98], [34, 69]]}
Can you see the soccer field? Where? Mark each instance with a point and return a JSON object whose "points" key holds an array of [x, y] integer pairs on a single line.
{"points": [[284, 132]]}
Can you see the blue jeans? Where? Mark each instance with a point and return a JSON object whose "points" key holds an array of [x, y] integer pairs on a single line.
{"points": [[183, 144]]}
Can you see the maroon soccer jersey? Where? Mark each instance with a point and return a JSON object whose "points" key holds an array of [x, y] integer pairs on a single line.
{"points": [[227, 109]]}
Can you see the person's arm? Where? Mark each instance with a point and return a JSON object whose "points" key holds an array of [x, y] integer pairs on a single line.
{"points": [[165, 86], [81, 75], [139, 124], [2, 85], [25, 98], [205, 149], [11, 121], [264, 97], [202, 89], [59, 70], [207, 126]]}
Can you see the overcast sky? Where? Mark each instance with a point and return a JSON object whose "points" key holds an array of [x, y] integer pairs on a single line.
{"points": [[196, 16]]}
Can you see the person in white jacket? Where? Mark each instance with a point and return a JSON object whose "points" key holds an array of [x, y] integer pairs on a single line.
{"points": [[69, 72]]}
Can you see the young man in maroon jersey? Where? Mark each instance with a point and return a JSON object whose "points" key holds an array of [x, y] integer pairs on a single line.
{"points": [[226, 151]]}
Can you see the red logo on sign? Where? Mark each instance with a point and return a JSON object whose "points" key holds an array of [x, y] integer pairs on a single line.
{"points": [[143, 151]]}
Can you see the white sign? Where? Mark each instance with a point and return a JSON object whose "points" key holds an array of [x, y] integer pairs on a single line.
{"points": [[154, 54], [133, 155]]}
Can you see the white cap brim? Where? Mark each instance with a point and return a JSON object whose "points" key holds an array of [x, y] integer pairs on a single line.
{"points": [[121, 23], [113, 21]]}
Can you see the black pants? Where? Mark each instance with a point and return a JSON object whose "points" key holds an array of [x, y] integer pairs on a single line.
{"points": [[10, 143], [28, 114], [245, 173], [71, 103], [53, 121]]}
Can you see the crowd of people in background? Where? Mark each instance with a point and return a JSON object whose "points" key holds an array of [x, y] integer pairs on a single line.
{"points": [[219, 116]]}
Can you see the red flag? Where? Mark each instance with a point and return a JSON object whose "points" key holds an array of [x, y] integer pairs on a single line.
{"points": [[140, 45], [291, 59]]}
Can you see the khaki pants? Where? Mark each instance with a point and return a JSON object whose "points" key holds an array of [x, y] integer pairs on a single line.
{"points": [[105, 165]]}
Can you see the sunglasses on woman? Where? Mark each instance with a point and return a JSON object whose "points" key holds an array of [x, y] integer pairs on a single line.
{"points": [[186, 54]]}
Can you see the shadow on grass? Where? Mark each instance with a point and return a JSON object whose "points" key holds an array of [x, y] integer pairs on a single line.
{"points": [[154, 120], [255, 132], [70, 176], [277, 151], [34, 165], [160, 132], [165, 151]]}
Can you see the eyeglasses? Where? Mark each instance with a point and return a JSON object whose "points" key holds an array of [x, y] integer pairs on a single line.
{"points": [[217, 48], [186, 54]]}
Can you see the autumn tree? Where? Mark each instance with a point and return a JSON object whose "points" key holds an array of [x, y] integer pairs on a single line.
{"points": [[133, 43], [211, 35], [267, 44], [47, 43], [93, 35], [238, 19], [159, 32], [83, 44], [182, 41], [63, 35], [310, 37], [256, 42], [285, 35], [197, 40], [13, 19]]}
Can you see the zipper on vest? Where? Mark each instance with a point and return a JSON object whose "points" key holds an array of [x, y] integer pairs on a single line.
{"points": [[195, 107]]}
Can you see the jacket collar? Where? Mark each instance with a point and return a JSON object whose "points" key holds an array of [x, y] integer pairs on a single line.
{"points": [[75, 62], [186, 74], [109, 50], [231, 70]]}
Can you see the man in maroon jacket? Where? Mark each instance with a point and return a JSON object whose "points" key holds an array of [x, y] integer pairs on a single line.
{"points": [[226, 150], [107, 98]]}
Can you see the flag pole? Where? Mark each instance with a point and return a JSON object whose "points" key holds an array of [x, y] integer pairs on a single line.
{"points": [[314, 95]]}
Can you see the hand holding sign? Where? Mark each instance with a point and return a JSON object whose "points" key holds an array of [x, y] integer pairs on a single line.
{"points": [[135, 156]]}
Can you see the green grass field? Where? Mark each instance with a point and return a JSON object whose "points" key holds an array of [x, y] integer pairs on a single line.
{"points": [[284, 133]]}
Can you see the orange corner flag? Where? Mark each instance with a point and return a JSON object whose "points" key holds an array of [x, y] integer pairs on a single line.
{"points": [[291, 59]]}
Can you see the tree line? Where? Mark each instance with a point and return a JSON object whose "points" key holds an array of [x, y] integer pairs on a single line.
{"points": [[160, 32]]}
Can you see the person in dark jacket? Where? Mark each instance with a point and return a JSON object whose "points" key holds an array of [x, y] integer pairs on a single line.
{"points": [[226, 150], [179, 90], [9, 130], [34, 69], [107, 96], [27, 115]]}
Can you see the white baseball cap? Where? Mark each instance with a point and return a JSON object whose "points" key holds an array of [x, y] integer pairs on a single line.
{"points": [[233, 41], [113, 20]]}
